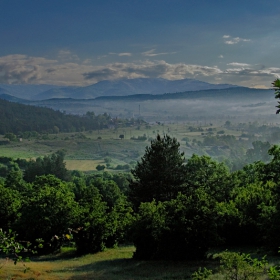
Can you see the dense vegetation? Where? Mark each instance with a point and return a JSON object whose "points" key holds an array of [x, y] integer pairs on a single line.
{"points": [[172, 208]]}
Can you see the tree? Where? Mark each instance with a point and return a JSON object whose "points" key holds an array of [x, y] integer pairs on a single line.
{"points": [[259, 151], [49, 211], [182, 228], [94, 228], [212, 176], [53, 164], [10, 203], [10, 136], [100, 167], [160, 173], [276, 86]]}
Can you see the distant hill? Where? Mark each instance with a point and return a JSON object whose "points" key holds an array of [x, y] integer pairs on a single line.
{"points": [[129, 87], [233, 92], [9, 97], [121, 87]]}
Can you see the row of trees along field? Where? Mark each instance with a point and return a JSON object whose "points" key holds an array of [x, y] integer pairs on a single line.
{"points": [[169, 207]]}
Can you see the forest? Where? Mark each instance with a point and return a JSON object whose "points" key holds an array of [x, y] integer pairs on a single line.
{"points": [[21, 119]]}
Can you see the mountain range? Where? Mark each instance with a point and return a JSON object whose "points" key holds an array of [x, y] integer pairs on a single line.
{"points": [[122, 87]]}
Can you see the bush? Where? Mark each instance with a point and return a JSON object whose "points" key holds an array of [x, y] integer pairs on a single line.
{"points": [[49, 211], [241, 266], [182, 228], [100, 167]]}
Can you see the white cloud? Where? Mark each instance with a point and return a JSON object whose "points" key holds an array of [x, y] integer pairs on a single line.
{"points": [[239, 64], [151, 69], [22, 69], [235, 40], [124, 54], [221, 56], [152, 53], [121, 54]]}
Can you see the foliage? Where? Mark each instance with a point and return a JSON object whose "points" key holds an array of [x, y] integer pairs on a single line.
{"points": [[100, 167], [93, 231], [53, 164], [274, 273], [47, 212], [243, 222], [259, 151], [238, 266], [9, 245], [160, 173], [202, 274], [276, 86], [213, 177], [10, 204], [182, 228], [109, 191], [11, 136]]}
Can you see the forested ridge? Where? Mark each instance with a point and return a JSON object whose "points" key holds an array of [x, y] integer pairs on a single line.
{"points": [[16, 118]]}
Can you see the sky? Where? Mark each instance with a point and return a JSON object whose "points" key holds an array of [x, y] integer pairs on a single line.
{"points": [[79, 43]]}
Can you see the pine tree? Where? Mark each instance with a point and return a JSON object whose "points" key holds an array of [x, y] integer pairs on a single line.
{"points": [[160, 173]]}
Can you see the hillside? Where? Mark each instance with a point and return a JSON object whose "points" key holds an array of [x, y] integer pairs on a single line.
{"points": [[17, 118]]}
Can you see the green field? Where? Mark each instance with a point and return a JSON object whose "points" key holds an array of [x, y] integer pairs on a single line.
{"points": [[85, 150]]}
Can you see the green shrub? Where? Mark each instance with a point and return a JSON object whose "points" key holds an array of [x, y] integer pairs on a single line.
{"points": [[201, 274], [241, 266]]}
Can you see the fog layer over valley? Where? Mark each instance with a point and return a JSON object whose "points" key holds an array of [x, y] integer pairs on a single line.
{"points": [[150, 99], [259, 105]]}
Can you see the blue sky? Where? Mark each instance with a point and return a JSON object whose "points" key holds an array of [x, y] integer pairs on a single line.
{"points": [[71, 42]]}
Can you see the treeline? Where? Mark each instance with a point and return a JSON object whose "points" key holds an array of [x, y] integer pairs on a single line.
{"points": [[18, 118], [169, 207]]}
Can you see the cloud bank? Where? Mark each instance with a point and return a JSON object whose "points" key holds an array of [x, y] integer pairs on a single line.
{"points": [[22, 69]]}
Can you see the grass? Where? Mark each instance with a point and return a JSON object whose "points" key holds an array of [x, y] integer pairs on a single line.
{"points": [[83, 165], [112, 264]]}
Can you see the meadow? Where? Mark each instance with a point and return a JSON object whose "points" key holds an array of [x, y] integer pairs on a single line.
{"points": [[115, 264]]}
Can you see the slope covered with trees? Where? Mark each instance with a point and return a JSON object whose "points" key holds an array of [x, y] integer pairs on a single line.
{"points": [[16, 118]]}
